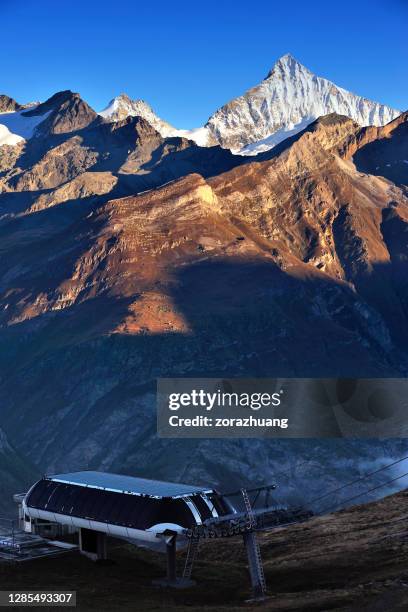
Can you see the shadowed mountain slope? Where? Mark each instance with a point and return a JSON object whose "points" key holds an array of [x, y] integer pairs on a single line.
{"points": [[16, 475]]}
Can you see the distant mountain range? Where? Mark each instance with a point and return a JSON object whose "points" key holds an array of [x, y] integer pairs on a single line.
{"points": [[128, 253], [286, 101]]}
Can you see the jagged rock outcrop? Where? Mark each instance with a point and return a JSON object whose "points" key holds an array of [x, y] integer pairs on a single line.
{"points": [[8, 105]]}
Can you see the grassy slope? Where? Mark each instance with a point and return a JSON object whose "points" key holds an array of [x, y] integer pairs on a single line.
{"points": [[352, 560]]}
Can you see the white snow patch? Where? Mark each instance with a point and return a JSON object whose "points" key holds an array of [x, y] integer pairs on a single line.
{"points": [[20, 125], [110, 109], [7, 138], [199, 135], [274, 139]]}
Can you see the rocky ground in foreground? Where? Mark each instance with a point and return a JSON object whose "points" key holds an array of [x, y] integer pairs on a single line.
{"points": [[347, 561]]}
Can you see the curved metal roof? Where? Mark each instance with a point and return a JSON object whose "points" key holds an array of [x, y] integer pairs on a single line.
{"points": [[62, 502], [128, 484]]}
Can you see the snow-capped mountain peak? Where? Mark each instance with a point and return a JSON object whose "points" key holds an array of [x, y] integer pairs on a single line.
{"points": [[286, 63], [286, 101], [123, 106]]}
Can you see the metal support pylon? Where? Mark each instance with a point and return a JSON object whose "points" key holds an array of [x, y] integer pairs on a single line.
{"points": [[248, 508], [254, 553], [255, 565]]}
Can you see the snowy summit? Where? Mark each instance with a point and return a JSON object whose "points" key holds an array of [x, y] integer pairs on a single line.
{"points": [[285, 102]]}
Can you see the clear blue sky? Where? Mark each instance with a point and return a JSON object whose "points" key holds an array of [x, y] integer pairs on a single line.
{"points": [[187, 59]]}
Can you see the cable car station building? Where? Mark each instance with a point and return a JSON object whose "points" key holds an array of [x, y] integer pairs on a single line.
{"points": [[121, 506], [162, 516]]}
